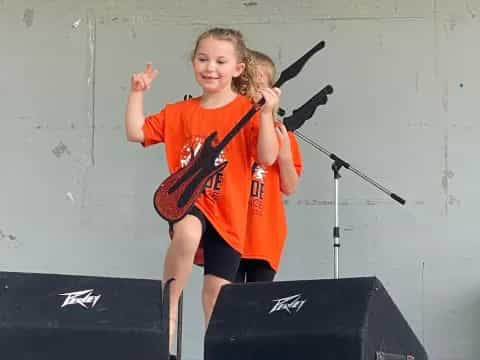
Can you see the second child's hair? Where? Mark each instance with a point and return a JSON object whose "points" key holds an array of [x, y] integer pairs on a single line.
{"points": [[263, 59], [242, 83], [260, 58]]}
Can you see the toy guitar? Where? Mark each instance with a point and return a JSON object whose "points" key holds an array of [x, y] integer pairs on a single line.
{"points": [[177, 194]]}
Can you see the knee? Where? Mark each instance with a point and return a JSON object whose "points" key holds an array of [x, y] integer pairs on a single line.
{"points": [[186, 239], [186, 243]]}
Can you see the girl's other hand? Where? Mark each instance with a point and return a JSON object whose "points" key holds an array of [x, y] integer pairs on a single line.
{"points": [[142, 81]]}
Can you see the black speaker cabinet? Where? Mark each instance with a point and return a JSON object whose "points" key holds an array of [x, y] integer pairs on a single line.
{"points": [[334, 319], [66, 317]]}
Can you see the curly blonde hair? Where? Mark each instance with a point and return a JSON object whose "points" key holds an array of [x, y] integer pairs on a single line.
{"points": [[245, 81], [261, 59]]}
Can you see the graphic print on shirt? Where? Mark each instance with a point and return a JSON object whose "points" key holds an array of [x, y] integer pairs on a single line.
{"points": [[257, 189], [189, 150]]}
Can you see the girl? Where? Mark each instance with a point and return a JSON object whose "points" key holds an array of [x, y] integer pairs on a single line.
{"points": [[223, 70], [267, 230]]}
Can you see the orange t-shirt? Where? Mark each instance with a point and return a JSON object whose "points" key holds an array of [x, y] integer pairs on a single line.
{"points": [[266, 223], [183, 126]]}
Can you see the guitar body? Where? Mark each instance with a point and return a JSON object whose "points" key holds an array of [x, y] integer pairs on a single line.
{"points": [[177, 194]]}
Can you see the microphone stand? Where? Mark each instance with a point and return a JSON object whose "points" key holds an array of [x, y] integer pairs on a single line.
{"points": [[337, 165]]}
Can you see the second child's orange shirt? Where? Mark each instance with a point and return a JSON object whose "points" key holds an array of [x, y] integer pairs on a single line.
{"points": [[266, 224], [182, 127]]}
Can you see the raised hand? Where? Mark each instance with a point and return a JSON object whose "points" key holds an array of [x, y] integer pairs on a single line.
{"points": [[272, 99], [142, 81]]}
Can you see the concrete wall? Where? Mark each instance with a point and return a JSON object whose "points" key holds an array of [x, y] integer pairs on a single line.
{"points": [[76, 197]]}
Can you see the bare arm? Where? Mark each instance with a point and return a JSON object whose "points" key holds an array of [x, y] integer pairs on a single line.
{"points": [[134, 117], [267, 146], [288, 173]]}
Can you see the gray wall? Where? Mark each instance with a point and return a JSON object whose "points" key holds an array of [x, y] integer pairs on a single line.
{"points": [[76, 197]]}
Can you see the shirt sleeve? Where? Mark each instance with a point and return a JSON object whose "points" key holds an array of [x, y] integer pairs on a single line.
{"points": [[154, 129]]}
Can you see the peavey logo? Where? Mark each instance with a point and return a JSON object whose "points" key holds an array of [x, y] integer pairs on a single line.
{"points": [[84, 298], [291, 304]]}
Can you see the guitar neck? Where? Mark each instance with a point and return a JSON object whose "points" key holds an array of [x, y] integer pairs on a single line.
{"points": [[243, 121]]}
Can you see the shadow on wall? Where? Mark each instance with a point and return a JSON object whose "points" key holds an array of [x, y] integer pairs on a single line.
{"points": [[473, 327]]}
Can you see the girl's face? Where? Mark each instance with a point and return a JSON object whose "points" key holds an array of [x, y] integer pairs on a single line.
{"points": [[215, 64]]}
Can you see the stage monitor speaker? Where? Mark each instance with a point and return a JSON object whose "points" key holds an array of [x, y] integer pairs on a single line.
{"points": [[347, 319], [66, 317]]}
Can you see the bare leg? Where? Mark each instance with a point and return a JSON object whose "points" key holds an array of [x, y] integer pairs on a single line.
{"points": [[179, 261], [211, 288]]}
